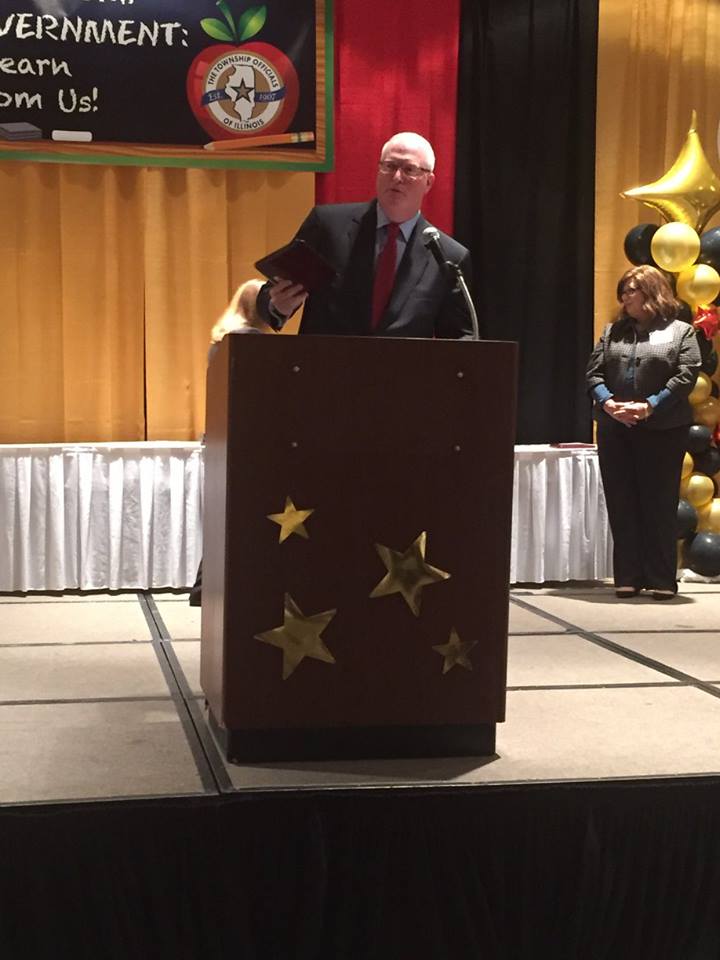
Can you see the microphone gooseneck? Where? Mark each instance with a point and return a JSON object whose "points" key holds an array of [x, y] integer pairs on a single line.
{"points": [[431, 239]]}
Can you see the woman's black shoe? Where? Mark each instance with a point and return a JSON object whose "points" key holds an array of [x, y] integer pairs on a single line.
{"points": [[195, 598], [623, 593], [663, 594]]}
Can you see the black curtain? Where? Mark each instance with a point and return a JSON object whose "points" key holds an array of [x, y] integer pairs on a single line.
{"points": [[597, 871], [524, 200]]}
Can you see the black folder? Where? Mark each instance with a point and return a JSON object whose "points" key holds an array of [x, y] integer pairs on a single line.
{"points": [[299, 262]]}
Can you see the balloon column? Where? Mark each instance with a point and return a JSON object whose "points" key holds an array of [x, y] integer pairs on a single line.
{"points": [[687, 196]]}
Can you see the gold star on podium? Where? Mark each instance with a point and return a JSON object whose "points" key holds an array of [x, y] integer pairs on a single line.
{"points": [[455, 651], [407, 573], [291, 520], [689, 192], [299, 636]]}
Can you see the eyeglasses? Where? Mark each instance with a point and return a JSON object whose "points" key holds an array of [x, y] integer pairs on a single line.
{"points": [[408, 171]]}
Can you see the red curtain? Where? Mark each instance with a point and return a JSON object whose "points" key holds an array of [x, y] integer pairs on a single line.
{"points": [[395, 69]]}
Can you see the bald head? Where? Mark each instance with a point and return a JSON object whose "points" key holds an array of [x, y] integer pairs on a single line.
{"points": [[414, 142], [405, 175]]}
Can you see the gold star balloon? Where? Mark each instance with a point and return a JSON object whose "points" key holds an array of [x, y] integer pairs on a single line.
{"points": [[407, 573], [455, 652], [689, 192], [291, 520], [299, 636]]}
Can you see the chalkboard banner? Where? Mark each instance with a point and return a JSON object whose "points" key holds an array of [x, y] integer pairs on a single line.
{"points": [[192, 83]]}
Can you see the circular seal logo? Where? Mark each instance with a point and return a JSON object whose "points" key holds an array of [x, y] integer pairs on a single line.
{"points": [[244, 92]]}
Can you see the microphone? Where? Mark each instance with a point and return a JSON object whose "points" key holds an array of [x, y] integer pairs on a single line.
{"points": [[431, 239]]}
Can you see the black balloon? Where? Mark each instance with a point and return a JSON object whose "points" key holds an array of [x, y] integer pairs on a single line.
{"points": [[686, 519], [637, 244], [686, 314], [707, 462], [709, 362], [702, 554], [705, 345], [710, 248], [698, 439]]}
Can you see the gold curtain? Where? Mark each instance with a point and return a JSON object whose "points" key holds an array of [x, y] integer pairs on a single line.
{"points": [[110, 279], [657, 61]]}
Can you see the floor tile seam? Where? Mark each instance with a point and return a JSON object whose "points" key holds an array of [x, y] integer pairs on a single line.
{"points": [[596, 593], [209, 762], [688, 679], [57, 701], [675, 684], [550, 617], [97, 643], [669, 632], [65, 600], [633, 655], [173, 679], [77, 643], [570, 631]]}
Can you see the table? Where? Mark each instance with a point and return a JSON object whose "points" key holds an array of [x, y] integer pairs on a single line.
{"points": [[112, 516]]}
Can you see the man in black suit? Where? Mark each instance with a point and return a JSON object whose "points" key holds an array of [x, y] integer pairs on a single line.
{"points": [[417, 298]]}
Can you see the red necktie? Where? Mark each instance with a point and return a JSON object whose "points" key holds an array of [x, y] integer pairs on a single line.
{"points": [[384, 274]]}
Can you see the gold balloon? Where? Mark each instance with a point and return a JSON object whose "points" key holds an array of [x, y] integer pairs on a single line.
{"points": [[701, 391], [698, 284], [688, 466], [703, 514], [689, 192], [699, 489], [707, 413], [709, 516], [675, 246]]}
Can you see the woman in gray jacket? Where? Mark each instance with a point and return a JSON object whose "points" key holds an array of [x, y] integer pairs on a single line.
{"points": [[640, 374]]}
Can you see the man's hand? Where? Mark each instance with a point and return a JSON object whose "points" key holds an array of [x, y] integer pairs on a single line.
{"points": [[286, 297]]}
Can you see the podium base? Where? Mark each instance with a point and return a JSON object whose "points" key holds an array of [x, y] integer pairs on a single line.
{"points": [[355, 743]]}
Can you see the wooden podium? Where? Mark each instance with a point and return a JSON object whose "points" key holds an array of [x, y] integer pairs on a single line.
{"points": [[357, 516]]}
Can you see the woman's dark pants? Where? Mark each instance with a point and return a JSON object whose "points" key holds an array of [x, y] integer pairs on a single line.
{"points": [[641, 471]]}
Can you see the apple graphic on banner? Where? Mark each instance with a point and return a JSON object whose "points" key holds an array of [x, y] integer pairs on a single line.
{"points": [[238, 89]]}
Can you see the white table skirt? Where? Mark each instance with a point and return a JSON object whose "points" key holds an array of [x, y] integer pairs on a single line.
{"points": [[128, 516], [560, 529], [100, 516]]}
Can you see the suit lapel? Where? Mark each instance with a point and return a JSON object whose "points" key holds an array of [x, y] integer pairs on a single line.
{"points": [[357, 280]]}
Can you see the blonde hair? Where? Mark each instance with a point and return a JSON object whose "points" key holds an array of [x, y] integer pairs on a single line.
{"points": [[241, 311]]}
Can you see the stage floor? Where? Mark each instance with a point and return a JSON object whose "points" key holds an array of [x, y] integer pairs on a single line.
{"points": [[100, 699]]}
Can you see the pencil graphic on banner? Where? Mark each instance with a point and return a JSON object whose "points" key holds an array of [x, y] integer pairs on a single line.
{"points": [[270, 139]]}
